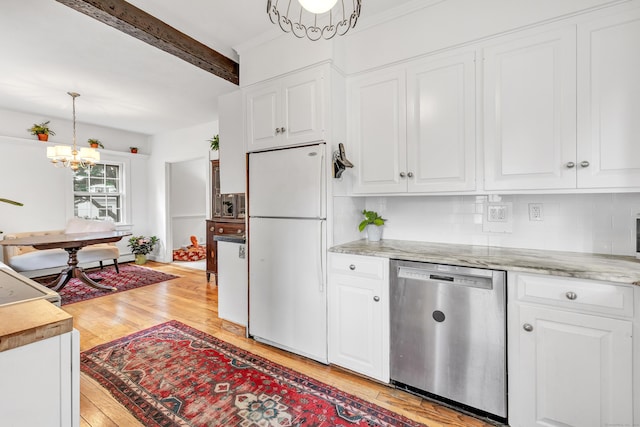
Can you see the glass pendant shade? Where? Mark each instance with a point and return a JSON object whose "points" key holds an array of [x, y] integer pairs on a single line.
{"points": [[318, 6]]}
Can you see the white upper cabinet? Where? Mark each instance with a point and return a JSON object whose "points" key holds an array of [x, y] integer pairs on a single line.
{"points": [[413, 127], [609, 101], [233, 170], [530, 112], [377, 107], [441, 124], [287, 111]]}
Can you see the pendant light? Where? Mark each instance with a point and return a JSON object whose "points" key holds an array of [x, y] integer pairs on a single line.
{"points": [[314, 19], [71, 157]]}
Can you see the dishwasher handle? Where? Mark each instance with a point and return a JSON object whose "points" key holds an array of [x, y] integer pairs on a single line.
{"points": [[427, 276]]}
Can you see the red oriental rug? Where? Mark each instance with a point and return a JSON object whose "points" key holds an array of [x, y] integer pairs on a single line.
{"points": [[174, 375], [130, 277]]}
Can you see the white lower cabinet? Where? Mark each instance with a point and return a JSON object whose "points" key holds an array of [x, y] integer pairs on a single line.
{"points": [[233, 290], [40, 383], [570, 352], [359, 314]]}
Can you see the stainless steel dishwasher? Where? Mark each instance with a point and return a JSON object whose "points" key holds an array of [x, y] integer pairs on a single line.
{"points": [[448, 334]]}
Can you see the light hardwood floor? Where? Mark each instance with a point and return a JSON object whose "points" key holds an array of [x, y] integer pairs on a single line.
{"points": [[190, 300]]}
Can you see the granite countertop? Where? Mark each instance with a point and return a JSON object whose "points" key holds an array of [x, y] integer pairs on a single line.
{"points": [[611, 268], [233, 238]]}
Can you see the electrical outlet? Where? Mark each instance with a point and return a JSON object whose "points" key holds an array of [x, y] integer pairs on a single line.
{"points": [[535, 212], [498, 217], [497, 213]]}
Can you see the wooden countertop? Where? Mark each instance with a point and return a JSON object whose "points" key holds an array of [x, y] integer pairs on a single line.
{"points": [[28, 322]]}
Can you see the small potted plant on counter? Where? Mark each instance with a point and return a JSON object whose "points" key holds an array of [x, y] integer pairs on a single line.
{"points": [[141, 246], [94, 143], [41, 130], [373, 223]]}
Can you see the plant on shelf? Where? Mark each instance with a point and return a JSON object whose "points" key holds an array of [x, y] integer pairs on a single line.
{"points": [[41, 130], [215, 142], [141, 246], [133, 149], [373, 223], [94, 143]]}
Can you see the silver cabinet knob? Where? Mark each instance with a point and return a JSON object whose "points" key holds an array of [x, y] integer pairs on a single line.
{"points": [[584, 164], [571, 295], [570, 165], [352, 267], [212, 229], [376, 298], [527, 327], [402, 175], [220, 230], [277, 130], [410, 174], [282, 130]]}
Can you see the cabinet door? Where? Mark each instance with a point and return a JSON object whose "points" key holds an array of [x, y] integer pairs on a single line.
{"points": [[609, 101], [262, 105], [530, 112], [574, 370], [441, 125], [233, 169], [233, 296], [377, 106], [355, 325], [303, 97]]}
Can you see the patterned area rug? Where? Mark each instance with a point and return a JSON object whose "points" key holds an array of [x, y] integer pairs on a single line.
{"points": [[130, 277], [174, 375]]}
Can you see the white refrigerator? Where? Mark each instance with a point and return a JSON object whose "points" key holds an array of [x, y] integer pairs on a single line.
{"points": [[287, 250]]}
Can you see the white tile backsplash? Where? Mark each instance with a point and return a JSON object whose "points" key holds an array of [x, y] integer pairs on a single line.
{"points": [[600, 223]]}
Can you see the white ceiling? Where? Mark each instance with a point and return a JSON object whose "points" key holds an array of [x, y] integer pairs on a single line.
{"points": [[48, 49]]}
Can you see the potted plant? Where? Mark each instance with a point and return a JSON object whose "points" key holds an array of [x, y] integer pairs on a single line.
{"points": [[141, 246], [134, 150], [41, 130], [95, 143], [373, 223], [215, 142]]}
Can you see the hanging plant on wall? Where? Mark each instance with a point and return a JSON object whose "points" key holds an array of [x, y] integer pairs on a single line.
{"points": [[215, 142]]}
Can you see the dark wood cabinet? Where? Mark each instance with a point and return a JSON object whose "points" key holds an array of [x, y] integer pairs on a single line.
{"points": [[228, 212]]}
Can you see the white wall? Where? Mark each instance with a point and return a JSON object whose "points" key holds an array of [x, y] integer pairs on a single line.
{"points": [[15, 124], [599, 223], [27, 176], [171, 147], [188, 208]]}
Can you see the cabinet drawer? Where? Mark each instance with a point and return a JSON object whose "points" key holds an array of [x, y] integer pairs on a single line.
{"points": [[358, 265], [580, 294], [228, 228]]}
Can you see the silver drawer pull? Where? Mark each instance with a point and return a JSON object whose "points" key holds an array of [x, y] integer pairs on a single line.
{"points": [[352, 267], [376, 298], [527, 327], [571, 295]]}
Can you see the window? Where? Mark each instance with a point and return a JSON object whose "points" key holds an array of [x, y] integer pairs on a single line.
{"points": [[98, 192]]}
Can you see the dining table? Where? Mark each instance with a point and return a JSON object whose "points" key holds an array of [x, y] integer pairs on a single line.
{"points": [[72, 243]]}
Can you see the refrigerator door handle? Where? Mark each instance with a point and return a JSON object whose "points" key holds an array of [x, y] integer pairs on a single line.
{"points": [[321, 281], [321, 205]]}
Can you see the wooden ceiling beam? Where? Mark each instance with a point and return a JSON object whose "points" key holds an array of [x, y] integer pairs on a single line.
{"points": [[139, 24]]}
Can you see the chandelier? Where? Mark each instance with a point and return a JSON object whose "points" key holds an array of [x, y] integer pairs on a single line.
{"points": [[71, 157], [314, 19]]}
